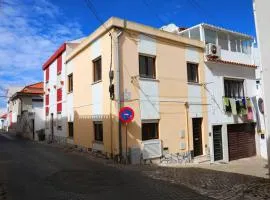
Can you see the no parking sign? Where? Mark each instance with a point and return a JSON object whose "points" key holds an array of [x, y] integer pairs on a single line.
{"points": [[126, 114]]}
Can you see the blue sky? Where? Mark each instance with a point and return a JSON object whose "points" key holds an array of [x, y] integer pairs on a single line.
{"points": [[31, 30]]}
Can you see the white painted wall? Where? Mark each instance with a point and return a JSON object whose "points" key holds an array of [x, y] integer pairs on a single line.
{"points": [[261, 13], [147, 45], [149, 89], [194, 90], [236, 57], [55, 80], [97, 98], [69, 96], [149, 99], [215, 74], [39, 116]]}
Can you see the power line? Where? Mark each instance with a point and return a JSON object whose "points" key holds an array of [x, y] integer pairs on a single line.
{"points": [[92, 8], [149, 7]]}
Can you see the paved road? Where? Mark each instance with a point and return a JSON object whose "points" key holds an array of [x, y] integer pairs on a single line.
{"points": [[35, 171]]}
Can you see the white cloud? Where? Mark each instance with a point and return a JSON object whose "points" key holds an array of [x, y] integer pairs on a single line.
{"points": [[30, 33]]}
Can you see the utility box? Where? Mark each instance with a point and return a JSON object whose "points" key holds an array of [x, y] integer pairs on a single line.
{"points": [[135, 155]]}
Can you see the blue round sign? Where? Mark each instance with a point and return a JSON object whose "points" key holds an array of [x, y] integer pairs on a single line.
{"points": [[126, 114]]}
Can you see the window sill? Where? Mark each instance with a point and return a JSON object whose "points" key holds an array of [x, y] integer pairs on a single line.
{"points": [[98, 142], [194, 83], [148, 79], [96, 82], [70, 92]]}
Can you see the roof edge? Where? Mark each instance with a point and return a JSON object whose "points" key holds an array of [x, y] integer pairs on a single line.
{"points": [[115, 22], [60, 50]]}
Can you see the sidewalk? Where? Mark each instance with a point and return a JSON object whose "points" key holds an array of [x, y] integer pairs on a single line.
{"points": [[254, 166]]}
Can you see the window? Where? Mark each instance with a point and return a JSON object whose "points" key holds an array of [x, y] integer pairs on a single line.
{"points": [[59, 94], [70, 83], [98, 128], [234, 88], [59, 107], [147, 68], [223, 41], [47, 110], [47, 100], [47, 74], [59, 64], [149, 131], [192, 73], [97, 69], [70, 129], [195, 33], [210, 36]]}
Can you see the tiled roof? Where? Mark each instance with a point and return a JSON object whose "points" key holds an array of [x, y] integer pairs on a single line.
{"points": [[36, 88], [230, 63]]}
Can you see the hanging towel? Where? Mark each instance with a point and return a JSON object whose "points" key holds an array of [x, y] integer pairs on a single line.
{"points": [[226, 103], [250, 114], [249, 108], [238, 107], [243, 109], [249, 105], [233, 106], [244, 102]]}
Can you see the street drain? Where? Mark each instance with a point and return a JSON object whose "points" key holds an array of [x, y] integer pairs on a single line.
{"points": [[84, 182]]}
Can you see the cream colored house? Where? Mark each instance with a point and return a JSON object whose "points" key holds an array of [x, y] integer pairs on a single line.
{"points": [[156, 73]]}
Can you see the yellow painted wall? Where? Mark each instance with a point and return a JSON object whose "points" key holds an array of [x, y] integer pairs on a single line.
{"points": [[172, 77]]}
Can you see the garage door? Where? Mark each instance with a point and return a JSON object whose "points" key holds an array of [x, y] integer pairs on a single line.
{"points": [[241, 140]]}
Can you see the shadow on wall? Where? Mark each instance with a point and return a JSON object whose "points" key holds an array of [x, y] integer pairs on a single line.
{"points": [[108, 143]]}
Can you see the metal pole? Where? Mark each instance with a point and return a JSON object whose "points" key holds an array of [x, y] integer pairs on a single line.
{"points": [[126, 143]]}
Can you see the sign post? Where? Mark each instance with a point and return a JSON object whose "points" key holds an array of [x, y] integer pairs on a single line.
{"points": [[126, 115]]}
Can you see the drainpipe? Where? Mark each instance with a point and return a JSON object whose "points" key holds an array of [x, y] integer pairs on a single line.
{"points": [[118, 86], [187, 119]]}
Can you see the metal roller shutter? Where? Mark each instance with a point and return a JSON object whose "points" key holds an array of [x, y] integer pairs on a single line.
{"points": [[241, 141]]}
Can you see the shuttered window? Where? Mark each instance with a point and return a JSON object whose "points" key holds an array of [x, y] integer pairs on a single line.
{"points": [[47, 74], [47, 100], [47, 110], [59, 107], [59, 94], [59, 64]]}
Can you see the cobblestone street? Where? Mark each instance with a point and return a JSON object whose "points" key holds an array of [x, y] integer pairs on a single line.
{"points": [[36, 171]]}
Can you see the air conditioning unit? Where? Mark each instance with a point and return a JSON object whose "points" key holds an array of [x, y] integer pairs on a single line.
{"points": [[212, 51]]}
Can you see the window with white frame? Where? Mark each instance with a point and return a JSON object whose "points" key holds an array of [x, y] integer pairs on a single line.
{"points": [[147, 67], [234, 88], [150, 130], [210, 36], [223, 40]]}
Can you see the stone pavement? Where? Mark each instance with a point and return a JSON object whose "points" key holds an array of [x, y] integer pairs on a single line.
{"points": [[219, 181]]}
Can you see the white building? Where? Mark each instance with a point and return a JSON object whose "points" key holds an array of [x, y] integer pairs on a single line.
{"points": [[262, 16], [26, 108], [58, 104], [231, 64], [11, 112]]}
